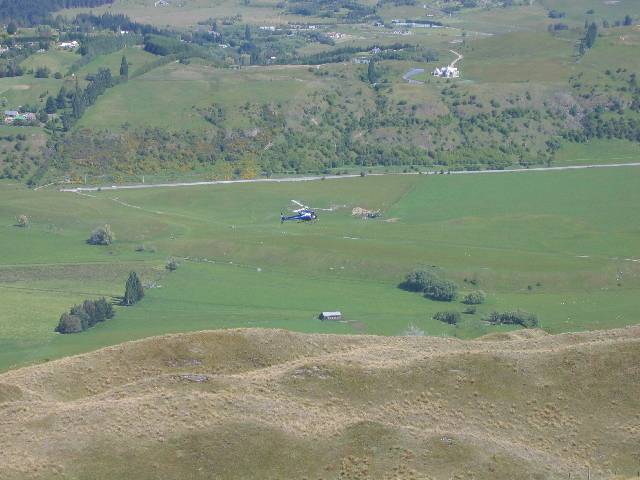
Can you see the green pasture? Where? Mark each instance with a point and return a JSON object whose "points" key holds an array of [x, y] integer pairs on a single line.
{"points": [[188, 14], [27, 90], [561, 244], [136, 57], [55, 60], [597, 151], [169, 96], [609, 10], [532, 57]]}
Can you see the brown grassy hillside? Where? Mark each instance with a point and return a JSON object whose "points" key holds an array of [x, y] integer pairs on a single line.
{"points": [[269, 404]]}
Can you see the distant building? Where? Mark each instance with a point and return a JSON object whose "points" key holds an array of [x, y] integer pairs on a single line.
{"points": [[446, 72], [330, 316], [73, 44]]}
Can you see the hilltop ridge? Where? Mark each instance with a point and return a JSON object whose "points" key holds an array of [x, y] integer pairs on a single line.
{"points": [[220, 404]]}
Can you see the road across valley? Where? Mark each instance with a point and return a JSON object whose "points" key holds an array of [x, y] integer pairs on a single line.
{"points": [[335, 177]]}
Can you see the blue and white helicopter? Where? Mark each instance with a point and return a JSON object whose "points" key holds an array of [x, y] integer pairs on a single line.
{"points": [[302, 214]]}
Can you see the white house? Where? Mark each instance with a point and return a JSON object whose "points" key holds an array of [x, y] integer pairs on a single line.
{"points": [[69, 45], [446, 72]]}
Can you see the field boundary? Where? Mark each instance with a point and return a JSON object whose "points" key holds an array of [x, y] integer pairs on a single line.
{"points": [[335, 177]]}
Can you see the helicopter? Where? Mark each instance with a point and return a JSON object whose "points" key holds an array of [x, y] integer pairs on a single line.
{"points": [[302, 214]]}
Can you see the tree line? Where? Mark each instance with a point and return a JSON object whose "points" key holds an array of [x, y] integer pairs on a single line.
{"points": [[91, 312], [34, 12]]}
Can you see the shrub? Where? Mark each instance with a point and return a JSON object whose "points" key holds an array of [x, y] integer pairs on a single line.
{"points": [[441, 290], [518, 317], [416, 281], [476, 297], [101, 236], [431, 284], [470, 310], [450, 317], [171, 265], [22, 221]]}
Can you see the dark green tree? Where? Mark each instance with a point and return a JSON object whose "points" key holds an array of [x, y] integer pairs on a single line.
{"points": [[69, 324], [247, 33], [628, 20], [591, 35], [133, 291], [77, 102], [124, 68], [12, 28], [452, 317], [61, 98], [372, 75], [51, 106]]}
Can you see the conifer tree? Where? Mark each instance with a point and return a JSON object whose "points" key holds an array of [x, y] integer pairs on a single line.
{"points": [[124, 68], [133, 291]]}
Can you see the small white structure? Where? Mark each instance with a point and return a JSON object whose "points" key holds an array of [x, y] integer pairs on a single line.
{"points": [[446, 72], [73, 44], [330, 316]]}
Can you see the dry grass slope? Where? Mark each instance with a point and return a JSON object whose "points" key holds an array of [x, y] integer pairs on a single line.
{"points": [[272, 404]]}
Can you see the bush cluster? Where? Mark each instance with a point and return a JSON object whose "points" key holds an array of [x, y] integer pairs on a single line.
{"points": [[518, 317], [450, 317], [84, 316], [474, 298], [101, 236], [431, 284]]}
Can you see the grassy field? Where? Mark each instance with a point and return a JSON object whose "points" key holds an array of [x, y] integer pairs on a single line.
{"points": [[136, 57], [26, 89], [168, 96], [54, 60], [188, 14], [597, 151], [559, 244]]}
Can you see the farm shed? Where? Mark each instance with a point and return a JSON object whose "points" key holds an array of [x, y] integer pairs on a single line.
{"points": [[330, 316]]}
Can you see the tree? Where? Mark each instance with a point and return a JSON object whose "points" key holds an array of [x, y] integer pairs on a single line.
{"points": [[133, 291], [591, 35], [247, 33], [50, 106], [442, 290], [124, 68], [69, 324], [171, 265], [372, 75], [61, 98], [101, 236], [518, 317], [474, 298], [628, 20], [42, 72], [85, 315], [12, 28], [22, 221], [451, 317]]}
